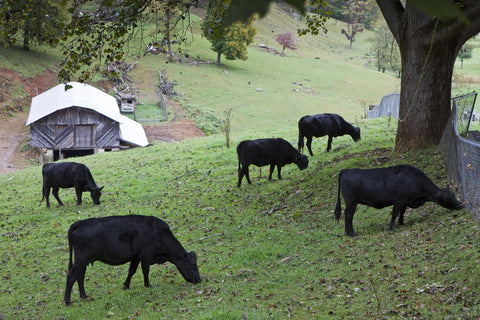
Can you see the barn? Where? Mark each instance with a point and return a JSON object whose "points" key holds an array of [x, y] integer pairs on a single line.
{"points": [[79, 121]]}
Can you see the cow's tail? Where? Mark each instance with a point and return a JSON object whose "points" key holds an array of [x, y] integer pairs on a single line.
{"points": [[300, 136], [43, 195], [70, 248], [238, 155], [338, 207]]}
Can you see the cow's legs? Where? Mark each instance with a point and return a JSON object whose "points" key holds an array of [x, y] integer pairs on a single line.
{"points": [[81, 278], [398, 209], [329, 143], [400, 217], [272, 168], [131, 271], [46, 194], [247, 174], [78, 191], [145, 270], [55, 194], [348, 213], [300, 143], [309, 145], [71, 278], [279, 168], [240, 176]]}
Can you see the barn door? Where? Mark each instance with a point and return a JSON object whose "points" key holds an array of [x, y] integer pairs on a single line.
{"points": [[85, 136], [64, 136]]}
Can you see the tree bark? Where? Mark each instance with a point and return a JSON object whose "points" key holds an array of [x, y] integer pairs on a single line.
{"points": [[218, 58], [425, 94]]}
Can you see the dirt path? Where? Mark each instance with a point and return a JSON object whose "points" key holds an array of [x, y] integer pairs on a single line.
{"points": [[179, 128], [13, 133]]}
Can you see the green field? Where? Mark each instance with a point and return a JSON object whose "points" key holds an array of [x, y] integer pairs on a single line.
{"points": [[270, 250], [322, 75]]}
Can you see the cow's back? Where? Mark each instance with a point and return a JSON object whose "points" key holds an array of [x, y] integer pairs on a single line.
{"points": [[258, 152], [380, 187], [319, 125], [121, 236], [66, 174]]}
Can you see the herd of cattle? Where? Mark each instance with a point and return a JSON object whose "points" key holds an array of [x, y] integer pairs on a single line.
{"points": [[148, 240]]}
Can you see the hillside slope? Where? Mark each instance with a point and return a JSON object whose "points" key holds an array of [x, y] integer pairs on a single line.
{"points": [[265, 92]]}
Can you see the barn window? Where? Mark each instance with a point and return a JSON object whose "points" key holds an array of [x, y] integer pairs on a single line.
{"points": [[85, 136]]}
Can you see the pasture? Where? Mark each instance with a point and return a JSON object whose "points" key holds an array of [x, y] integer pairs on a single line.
{"points": [[269, 250], [322, 75]]}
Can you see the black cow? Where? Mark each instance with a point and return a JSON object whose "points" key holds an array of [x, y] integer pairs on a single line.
{"points": [[275, 152], [120, 239], [69, 175], [320, 125], [401, 186]]}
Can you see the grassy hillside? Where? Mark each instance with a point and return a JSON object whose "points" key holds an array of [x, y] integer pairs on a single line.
{"points": [[269, 250], [324, 74]]}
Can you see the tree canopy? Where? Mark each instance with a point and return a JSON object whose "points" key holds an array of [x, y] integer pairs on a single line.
{"points": [[231, 40], [32, 21]]}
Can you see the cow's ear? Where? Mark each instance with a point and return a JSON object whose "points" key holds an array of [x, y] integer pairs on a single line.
{"points": [[447, 186], [100, 189], [191, 256]]}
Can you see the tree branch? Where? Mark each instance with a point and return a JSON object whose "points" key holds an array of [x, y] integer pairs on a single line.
{"points": [[392, 11], [449, 29]]}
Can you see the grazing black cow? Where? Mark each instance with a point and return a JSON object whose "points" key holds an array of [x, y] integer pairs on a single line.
{"points": [[120, 239], [69, 175], [401, 186], [275, 152], [320, 125]]}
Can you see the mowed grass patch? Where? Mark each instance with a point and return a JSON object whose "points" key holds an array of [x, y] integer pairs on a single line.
{"points": [[269, 250]]}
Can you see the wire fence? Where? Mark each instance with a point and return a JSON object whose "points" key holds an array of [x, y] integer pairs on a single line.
{"points": [[460, 147]]}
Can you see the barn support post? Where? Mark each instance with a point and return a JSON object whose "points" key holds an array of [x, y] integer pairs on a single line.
{"points": [[48, 155]]}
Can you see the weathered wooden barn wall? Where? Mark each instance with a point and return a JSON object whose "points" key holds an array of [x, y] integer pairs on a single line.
{"points": [[75, 128]]}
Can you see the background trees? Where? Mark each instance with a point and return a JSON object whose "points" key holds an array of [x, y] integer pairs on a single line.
{"points": [[354, 16], [465, 53], [232, 40], [32, 21], [286, 40], [385, 49]]}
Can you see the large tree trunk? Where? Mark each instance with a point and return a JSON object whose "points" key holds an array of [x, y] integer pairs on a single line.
{"points": [[425, 94]]}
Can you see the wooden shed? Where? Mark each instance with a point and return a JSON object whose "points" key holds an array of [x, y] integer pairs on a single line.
{"points": [[80, 120]]}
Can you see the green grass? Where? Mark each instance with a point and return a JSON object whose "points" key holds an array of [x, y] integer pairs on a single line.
{"points": [[269, 250], [323, 75]]}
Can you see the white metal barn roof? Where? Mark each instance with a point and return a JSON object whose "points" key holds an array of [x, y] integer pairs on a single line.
{"points": [[85, 96]]}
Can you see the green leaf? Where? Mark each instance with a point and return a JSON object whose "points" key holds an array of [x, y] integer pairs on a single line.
{"points": [[244, 9]]}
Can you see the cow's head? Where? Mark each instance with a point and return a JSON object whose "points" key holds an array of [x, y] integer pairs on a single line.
{"points": [[301, 161], [187, 265], [446, 198], [356, 134], [95, 193]]}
